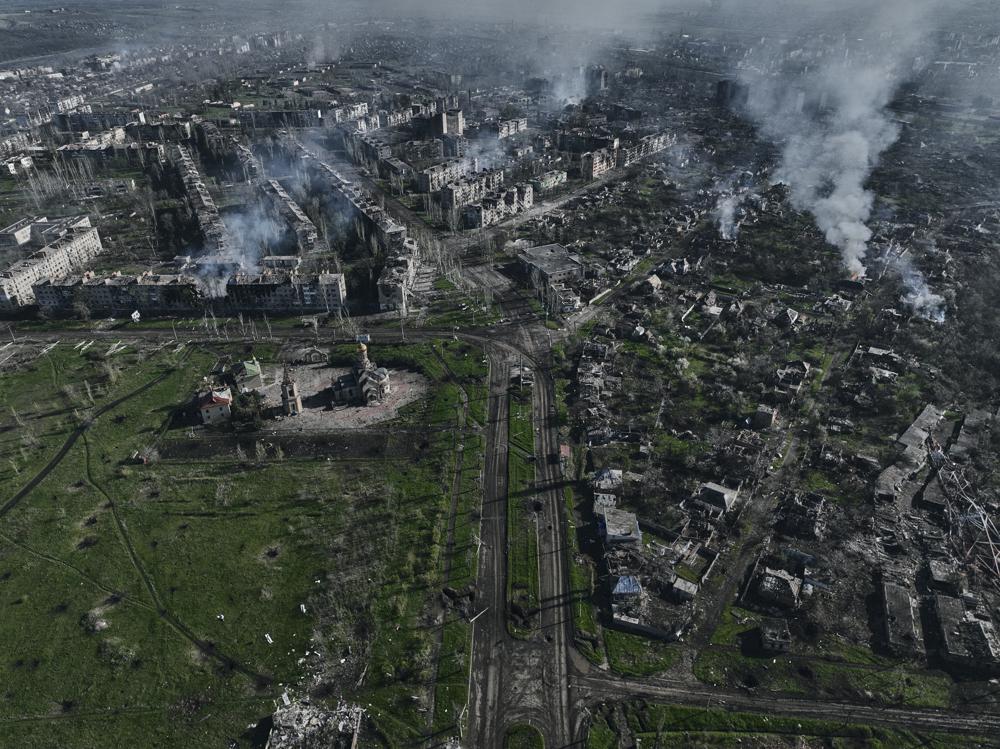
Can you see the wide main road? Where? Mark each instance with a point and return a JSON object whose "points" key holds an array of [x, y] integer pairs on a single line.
{"points": [[525, 679], [556, 615], [489, 628]]}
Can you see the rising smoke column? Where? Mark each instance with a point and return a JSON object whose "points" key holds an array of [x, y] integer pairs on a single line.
{"points": [[725, 217], [832, 140], [917, 294], [826, 105], [250, 235]]}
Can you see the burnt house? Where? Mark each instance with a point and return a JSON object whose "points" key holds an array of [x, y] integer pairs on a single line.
{"points": [[777, 588], [803, 516], [964, 639], [775, 636]]}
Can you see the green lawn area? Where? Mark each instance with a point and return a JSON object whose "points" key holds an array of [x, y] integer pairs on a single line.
{"points": [[523, 737], [633, 655], [735, 622], [171, 604], [581, 578], [456, 308], [459, 567], [677, 726], [820, 482], [886, 684]]}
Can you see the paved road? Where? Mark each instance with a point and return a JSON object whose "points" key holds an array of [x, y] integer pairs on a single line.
{"points": [[489, 630], [557, 617], [520, 680]]}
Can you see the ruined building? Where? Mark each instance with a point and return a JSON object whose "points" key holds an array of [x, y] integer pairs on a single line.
{"points": [[291, 400], [215, 238], [365, 385], [68, 252], [276, 290], [302, 232]]}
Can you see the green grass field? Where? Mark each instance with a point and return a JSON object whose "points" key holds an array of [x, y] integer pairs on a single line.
{"points": [[523, 737], [634, 655], [676, 726], [171, 604], [581, 577], [885, 684]]}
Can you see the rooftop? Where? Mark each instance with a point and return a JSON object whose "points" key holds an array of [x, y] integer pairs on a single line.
{"points": [[551, 259]]}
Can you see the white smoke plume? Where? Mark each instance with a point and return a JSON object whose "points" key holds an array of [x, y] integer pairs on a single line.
{"points": [[827, 106], [917, 295], [251, 234], [827, 156], [725, 217]]}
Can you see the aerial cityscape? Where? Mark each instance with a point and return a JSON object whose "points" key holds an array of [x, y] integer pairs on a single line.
{"points": [[503, 376]]}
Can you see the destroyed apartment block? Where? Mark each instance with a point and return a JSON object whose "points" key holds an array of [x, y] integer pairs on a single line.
{"points": [[373, 227], [471, 189], [147, 293], [437, 177], [396, 282], [965, 639], [900, 620], [285, 210], [498, 205], [66, 252], [286, 291], [215, 237], [549, 181], [972, 434], [895, 483]]}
